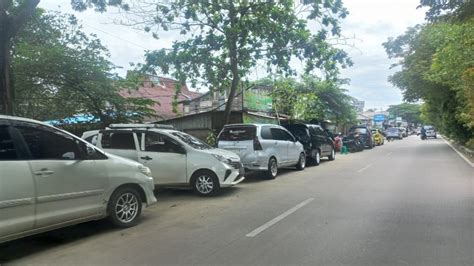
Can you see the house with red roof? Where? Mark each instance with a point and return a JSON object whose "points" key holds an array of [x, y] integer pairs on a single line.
{"points": [[163, 91]]}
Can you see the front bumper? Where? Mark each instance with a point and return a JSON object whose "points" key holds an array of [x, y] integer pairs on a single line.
{"points": [[232, 175]]}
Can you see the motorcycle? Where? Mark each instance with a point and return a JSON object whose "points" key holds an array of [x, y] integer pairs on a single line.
{"points": [[353, 142], [423, 136]]}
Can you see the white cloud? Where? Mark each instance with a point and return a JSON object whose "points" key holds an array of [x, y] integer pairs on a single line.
{"points": [[370, 21]]}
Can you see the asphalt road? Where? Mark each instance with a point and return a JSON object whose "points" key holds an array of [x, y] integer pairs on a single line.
{"points": [[409, 202]]}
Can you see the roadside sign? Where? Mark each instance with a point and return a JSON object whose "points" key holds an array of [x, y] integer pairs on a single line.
{"points": [[399, 119], [379, 117]]}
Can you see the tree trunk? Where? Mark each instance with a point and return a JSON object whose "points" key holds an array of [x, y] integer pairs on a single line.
{"points": [[5, 88], [11, 20], [234, 63]]}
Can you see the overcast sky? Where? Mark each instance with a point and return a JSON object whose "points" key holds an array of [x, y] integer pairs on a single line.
{"points": [[370, 22]]}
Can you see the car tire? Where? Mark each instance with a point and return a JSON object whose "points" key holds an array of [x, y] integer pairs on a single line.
{"points": [[272, 170], [124, 207], [332, 156], [317, 157], [205, 183], [301, 162]]}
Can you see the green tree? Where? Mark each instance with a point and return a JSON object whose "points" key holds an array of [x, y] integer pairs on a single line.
{"points": [[59, 71], [437, 66], [223, 41], [313, 99], [408, 111], [13, 16]]}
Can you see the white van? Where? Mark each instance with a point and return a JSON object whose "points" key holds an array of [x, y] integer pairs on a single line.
{"points": [[51, 179], [263, 147], [174, 157]]}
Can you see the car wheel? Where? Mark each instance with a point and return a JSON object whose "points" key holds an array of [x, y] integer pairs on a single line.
{"points": [[332, 157], [317, 157], [301, 162], [205, 183], [125, 207], [272, 171]]}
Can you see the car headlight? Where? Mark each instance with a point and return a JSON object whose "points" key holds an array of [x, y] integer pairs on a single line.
{"points": [[222, 158], [144, 170]]}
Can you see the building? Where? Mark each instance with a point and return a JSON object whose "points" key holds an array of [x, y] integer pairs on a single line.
{"points": [[163, 91], [205, 114]]}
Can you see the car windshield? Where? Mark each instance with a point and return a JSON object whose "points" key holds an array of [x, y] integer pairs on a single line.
{"points": [[300, 132], [192, 141], [360, 130], [393, 130]]}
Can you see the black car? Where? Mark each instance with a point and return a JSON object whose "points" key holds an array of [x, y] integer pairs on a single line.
{"points": [[364, 134], [315, 140]]}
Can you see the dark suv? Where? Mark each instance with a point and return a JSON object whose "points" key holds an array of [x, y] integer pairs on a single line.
{"points": [[364, 134], [315, 140]]}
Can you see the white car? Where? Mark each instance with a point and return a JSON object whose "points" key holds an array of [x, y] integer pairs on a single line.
{"points": [[50, 179], [262, 147], [174, 157], [430, 132]]}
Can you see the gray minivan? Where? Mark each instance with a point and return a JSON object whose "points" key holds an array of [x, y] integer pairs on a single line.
{"points": [[263, 147]]}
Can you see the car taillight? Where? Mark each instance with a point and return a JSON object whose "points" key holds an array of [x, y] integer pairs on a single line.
{"points": [[256, 145]]}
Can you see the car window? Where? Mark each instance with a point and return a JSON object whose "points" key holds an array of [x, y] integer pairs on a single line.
{"points": [[160, 143], [192, 141], [238, 133], [278, 134], [287, 135], [300, 133], [360, 130], [49, 144], [7, 147], [118, 140], [92, 139], [266, 133]]}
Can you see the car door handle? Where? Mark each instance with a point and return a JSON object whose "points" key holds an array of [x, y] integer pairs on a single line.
{"points": [[44, 172], [146, 158]]}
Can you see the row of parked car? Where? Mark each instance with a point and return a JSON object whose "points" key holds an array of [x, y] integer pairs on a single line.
{"points": [[50, 178]]}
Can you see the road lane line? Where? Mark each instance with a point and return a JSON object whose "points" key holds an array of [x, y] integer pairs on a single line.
{"points": [[460, 154], [278, 218], [362, 169]]}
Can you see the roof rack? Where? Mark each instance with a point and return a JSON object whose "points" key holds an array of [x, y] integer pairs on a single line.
{"points": [[141, 126]]}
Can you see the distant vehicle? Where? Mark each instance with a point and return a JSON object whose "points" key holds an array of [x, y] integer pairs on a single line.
{"points": [[378, 137], [51, 179], [263, 147], [174, 157], [430, 132], [403, 131], [353, 142], [393, 133], [418, 131], [364, 134], [315, 140]]}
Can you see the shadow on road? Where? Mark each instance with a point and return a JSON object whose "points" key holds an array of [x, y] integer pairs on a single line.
{"points": [[24, 247]]}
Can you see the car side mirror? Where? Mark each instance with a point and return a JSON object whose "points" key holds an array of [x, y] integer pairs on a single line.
{"points": [[91, 152]]}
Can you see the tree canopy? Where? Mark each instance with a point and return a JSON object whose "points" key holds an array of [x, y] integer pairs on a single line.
{"points": [[409, 111], [312, 99], [437, 66], [59, 71], [223, 41]]}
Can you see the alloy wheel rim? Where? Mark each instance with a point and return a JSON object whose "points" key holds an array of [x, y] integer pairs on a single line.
{"points": [[302, 160], [204, 184], [273, 168], [318, 159], [126, 208]]}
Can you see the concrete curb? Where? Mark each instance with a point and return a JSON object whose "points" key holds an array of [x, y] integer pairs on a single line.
{"points": [[464, 157]]}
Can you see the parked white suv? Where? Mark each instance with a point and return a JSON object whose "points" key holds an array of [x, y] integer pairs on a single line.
{"points": [[263, 147], [174, 157], [51, 179]]}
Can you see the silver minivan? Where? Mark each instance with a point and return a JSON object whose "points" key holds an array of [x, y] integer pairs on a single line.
{"points": [[263, 147], [51, 179]]}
